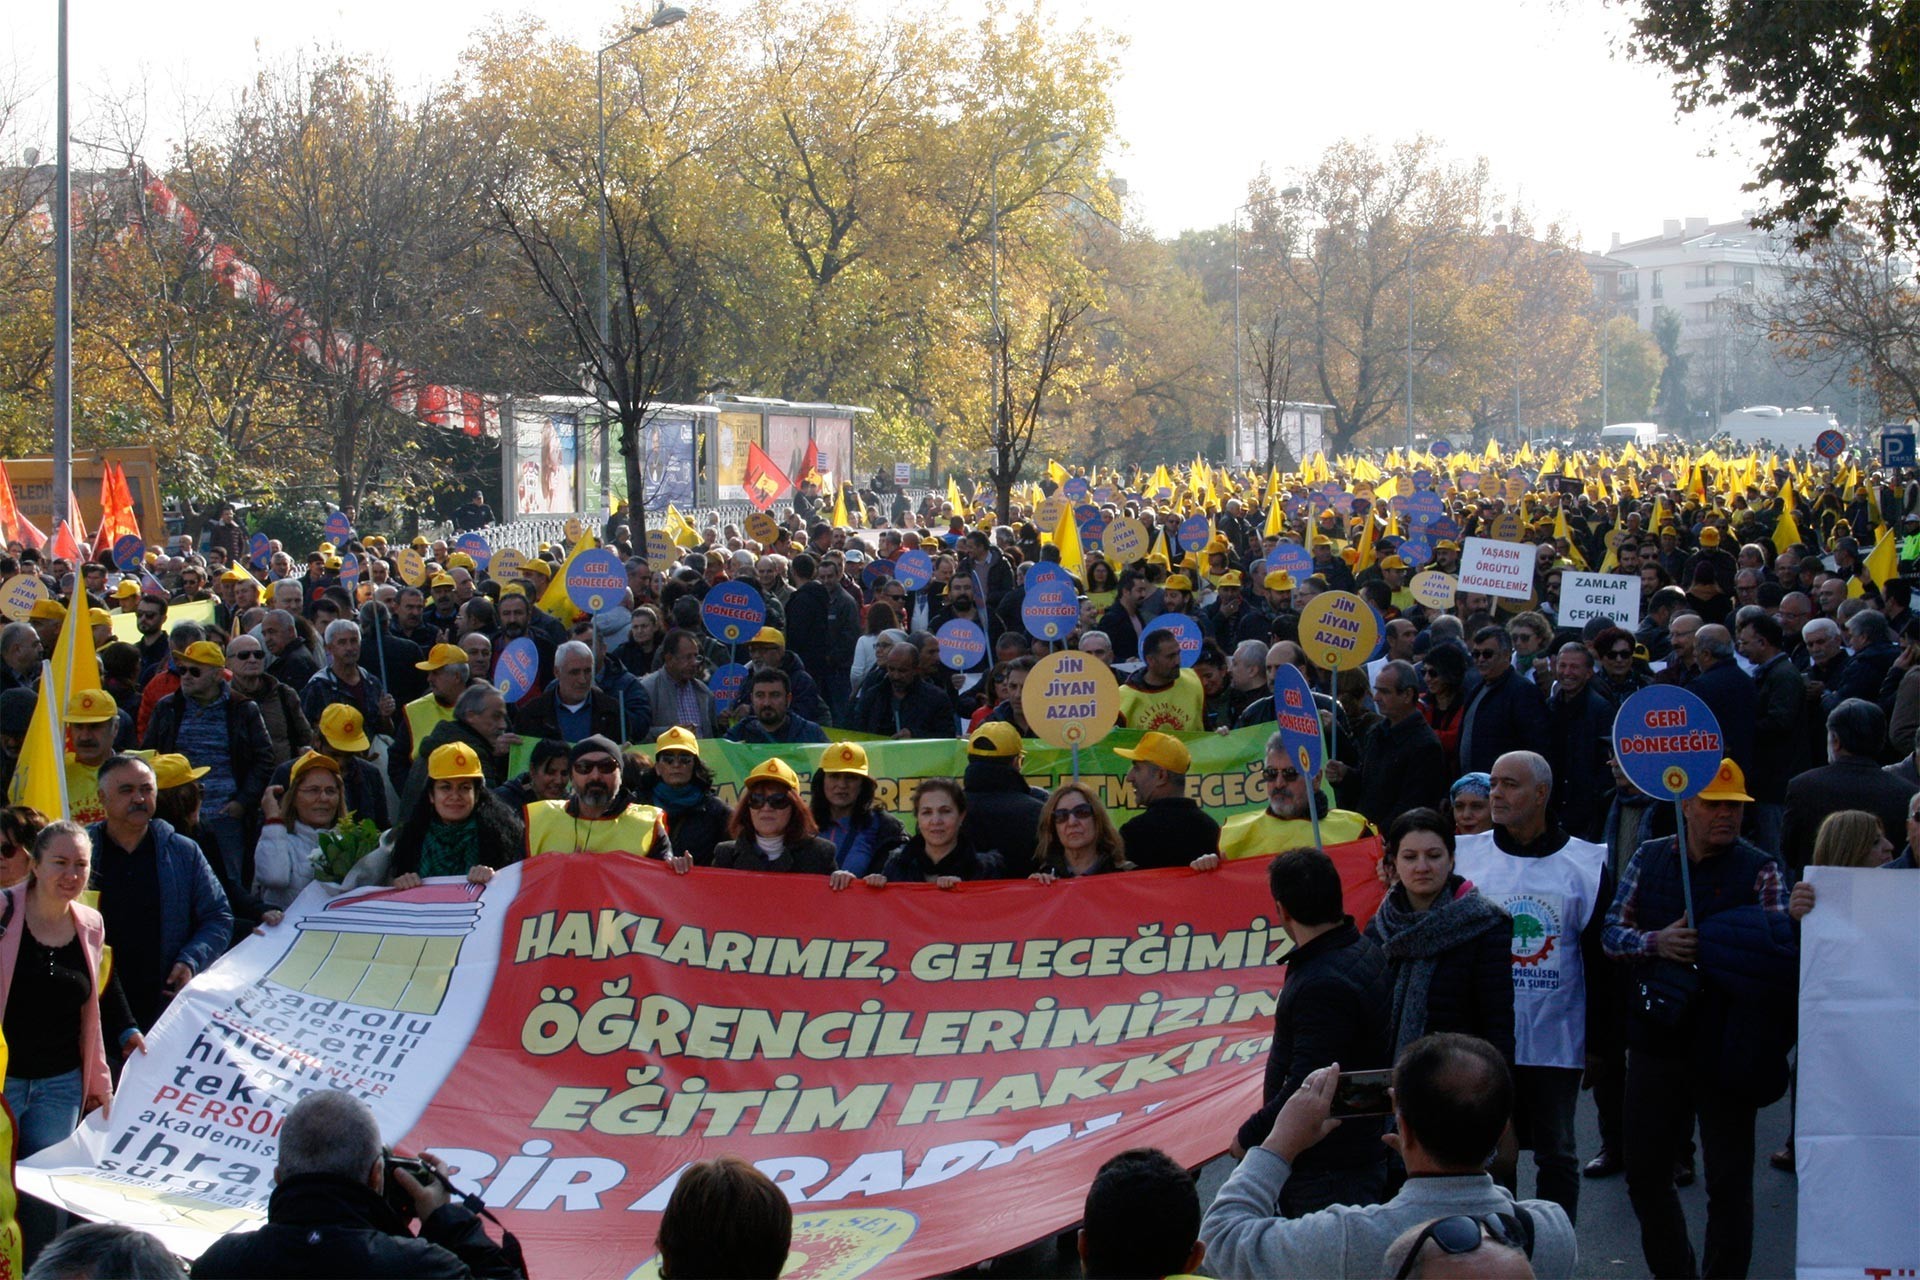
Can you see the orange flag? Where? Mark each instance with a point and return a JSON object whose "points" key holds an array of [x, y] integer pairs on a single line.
{"points": [[78, 523], [64, 546], [116, 507]]}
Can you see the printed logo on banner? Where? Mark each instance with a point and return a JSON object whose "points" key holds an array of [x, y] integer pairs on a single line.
{"points": [[914, 569], [1667, 742], [1421, 508], [1093, 529], [733, 612], [1194, 532], [1184, 628], [1049, 513], [509, 563], [1536, 930], [962, 644], [1497, 568], [1126, 540], [761, 527], [1050, 610], [338, 528], [1415, 552], [1433, 588], [412, 567], [661, 553], [596, 580], [350, 569]]}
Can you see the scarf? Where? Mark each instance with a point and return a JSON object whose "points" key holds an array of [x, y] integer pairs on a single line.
{"points": [[678, 799], [1413, 941], [450, 848]]}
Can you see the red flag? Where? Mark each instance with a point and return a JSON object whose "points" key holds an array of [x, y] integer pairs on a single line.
{"points": [[78, 523], [10, 512], [116, 507], [764, 481], [64, 547], [809, 465]]}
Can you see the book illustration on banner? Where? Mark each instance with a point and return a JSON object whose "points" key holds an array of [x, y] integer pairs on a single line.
{"points": [[389, 949], [832, 1244]]}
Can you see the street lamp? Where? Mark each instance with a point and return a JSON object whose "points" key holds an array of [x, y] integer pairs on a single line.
{"points": [[663, 16], [1285, 193], [1002, 428]]}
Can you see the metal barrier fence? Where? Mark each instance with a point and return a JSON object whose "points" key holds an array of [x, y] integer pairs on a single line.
{"points": [[527, 533]]}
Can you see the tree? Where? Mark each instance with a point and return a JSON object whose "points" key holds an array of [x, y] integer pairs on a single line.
{"points": [[1855, 305], [1834, 88], [1672, 404], [1634, 365]]}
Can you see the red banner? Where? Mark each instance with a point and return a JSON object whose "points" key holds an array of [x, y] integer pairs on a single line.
{"points": [[764, 481], [933, 1077]]}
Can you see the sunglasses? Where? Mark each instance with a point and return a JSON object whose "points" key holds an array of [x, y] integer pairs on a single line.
{"points": [[1619, 653], [1076, 813], [1456, 1235], [246, 655], [596, 766], [769, 800], [1284, 775], [1485, 655]]}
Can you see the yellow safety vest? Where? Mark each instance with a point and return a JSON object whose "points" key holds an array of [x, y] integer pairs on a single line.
{"points": [[424, 715], [1250, 835], [551, 829], [1181, 707]]}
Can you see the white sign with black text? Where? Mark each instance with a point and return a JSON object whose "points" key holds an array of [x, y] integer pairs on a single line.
{"points": [[1586, 596], [1502, 569]]}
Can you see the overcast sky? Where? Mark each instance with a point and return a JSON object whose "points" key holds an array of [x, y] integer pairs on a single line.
{"points": [[1210, 92]]}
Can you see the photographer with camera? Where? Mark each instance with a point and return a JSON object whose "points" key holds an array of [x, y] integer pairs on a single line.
{"points": [[342, 1206]]}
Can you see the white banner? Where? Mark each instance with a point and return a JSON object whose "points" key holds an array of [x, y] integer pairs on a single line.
{"points": [[1502, 569], [1857, 1135], [375, 993], [1586, 596]]}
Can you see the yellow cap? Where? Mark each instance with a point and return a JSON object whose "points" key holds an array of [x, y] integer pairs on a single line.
{"points": [[1278, 580], [769, 635], [48, 609], [327, 548], [994, 740], [442, 655], [1231, 578], [454, 760], [420, 540], [1446, 544], [539, 566], [460, 560], [1178, 582], [236, 574], [334, 562], [1709, 537], [845, 757], [91, 706], [441, 580], [99, 618], [204, 652], [1728, 784], [170, 769], [1393, 562], [126, 589], [305, 765], [514, 589], [777, 772], [344, 728], [677, 738], [1157, 748]]}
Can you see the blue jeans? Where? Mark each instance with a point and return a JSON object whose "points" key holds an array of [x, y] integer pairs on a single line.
{"points": [[45, 1112]]}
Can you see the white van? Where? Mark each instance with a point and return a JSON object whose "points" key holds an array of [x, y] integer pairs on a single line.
{"points": [[1786, 429], [1641, 435]]}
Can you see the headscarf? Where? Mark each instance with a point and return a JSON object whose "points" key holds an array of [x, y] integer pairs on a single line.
{"points": [[1478, 783]]}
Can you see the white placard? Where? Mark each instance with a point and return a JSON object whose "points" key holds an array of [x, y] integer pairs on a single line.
{"points": [[903, 474], [1586, 596], [1859, 1114], [1502, 569]]}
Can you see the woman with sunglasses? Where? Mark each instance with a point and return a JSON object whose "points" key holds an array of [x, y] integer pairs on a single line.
{"points": [[772, 830], [1620, 677], [680, 785], [19, 824], [1444, 704], [1077, 837]]}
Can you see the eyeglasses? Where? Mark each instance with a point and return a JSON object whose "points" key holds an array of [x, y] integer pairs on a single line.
{"points": [[769, 800], [1485, 655], [1618, 653], [1074, 813], [1460, 1234], [1284, 775], [245, 655], [596, 766]]}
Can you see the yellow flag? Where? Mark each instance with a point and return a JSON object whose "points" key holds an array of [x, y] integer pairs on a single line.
{"points": [[1066, 536], [682, 533], [1056, 472], [1884, 563], [74, 665], [40, 778], [1276, 520], [1562, 530], [958, 503], [1786, 532], [1366, 544], [554, 599], [840, 520]]}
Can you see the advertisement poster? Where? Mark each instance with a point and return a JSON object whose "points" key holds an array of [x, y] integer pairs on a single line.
{"points": [[545, 455]]}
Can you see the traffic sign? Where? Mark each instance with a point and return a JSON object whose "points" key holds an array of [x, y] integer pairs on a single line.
{"points": [[1667, 742], [1829, 444], [1896, 446]]}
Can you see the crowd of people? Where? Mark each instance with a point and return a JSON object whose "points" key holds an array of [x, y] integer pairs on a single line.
{"points": [[1547, 927]]}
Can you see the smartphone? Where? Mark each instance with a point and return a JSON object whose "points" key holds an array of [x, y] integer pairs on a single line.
{"points": [[1363, 1093]]}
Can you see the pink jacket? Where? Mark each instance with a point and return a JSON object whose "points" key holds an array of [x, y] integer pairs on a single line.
{"points": [[92, 930]]}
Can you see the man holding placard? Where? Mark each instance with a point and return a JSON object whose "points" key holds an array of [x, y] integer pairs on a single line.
{"points": [[1163, 695], [1286, 822]]}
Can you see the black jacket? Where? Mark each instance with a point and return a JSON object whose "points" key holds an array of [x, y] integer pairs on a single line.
{"points": [[926, 712], [1170, 832], [697, 831], [1779, 728], [1729, 694], [1471, 990], [249, 749], [1402, 766], [1003, 813], [1334, 1007], [539, 716], [1578, 729], [1510, 714], [1851, 782], [823, 624], [323, 1225], [812, 856], [1118, 626], [968, 861]]}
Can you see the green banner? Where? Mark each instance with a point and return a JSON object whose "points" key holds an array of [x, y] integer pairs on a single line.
{"points": [[1225, 776]]}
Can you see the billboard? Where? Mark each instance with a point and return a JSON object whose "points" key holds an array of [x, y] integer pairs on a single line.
{"points": [[544, 470]]}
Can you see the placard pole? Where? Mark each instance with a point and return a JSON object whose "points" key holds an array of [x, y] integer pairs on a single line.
{"points": [[1680, 843], [1076, 762]]}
